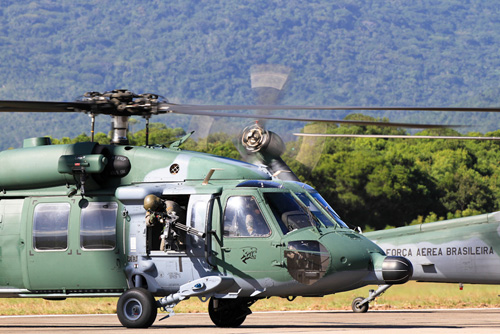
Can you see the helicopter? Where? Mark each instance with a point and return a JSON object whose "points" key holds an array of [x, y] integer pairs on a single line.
{"points": [[156, 225]]}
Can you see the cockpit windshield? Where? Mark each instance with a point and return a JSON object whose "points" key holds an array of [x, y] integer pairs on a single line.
{"points": [[289, 214], [315, 210], [328, 208], [319, 206]]}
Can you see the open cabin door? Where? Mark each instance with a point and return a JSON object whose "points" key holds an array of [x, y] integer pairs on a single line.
{"points": [[170, 242], [180, 238], [199, 216], [74, 246]]}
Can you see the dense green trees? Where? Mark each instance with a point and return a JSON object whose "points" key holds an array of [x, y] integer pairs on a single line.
{"points": [[380, 182], [375, 183]]}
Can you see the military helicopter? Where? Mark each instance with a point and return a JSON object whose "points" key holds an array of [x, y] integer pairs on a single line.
{"points": [[141, 223]]}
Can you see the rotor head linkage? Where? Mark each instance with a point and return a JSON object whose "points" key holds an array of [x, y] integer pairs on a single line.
{"points": [[122, 102]]}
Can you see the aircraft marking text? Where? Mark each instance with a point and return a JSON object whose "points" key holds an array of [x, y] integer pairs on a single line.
{"points": [[438, 251]]}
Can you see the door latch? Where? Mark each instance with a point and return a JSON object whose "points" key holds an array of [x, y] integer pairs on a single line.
{"points": [[277, 263]]}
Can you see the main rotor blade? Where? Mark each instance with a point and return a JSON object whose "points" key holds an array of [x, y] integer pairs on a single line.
{"points": [[104, 106], [44, 106], [108, 108], [189, 111], [452, 109], [393, 136], [184, 107], [101, 107]]}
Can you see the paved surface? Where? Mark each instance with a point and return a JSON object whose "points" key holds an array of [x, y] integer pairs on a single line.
{"points": [[429, 321]]}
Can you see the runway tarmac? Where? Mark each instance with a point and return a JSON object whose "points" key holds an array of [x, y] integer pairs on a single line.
{"points": [[421, 321]]}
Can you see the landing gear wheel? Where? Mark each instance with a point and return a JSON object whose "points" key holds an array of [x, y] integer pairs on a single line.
{"points": [[357, 308], [228, 312], [137, 308]]}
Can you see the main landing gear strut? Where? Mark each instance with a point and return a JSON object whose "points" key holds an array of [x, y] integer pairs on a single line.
{"points": [[360, 304]]}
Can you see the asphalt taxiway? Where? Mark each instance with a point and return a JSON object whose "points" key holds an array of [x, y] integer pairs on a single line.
{"points": [[411, 321]]}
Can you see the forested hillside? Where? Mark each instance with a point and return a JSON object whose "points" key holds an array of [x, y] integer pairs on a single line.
{"points": [[346, 52]]}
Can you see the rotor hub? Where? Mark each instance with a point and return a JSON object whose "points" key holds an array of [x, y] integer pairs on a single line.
{"points": [[120, 104], [125, 102]]}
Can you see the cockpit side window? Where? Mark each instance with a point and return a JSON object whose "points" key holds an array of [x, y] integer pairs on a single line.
{"points": [[243, 218], [288, 213]]}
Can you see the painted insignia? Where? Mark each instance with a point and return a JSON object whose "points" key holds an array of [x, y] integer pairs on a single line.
{"points": [[249, 253]]}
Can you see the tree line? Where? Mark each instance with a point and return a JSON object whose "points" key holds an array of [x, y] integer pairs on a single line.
{"points": [[371, 182]]}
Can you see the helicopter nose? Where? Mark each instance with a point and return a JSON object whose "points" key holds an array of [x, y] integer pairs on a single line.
{"points": [[396, 270]]}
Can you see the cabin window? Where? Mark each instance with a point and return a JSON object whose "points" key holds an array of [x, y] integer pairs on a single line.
{"points": [[98, 226], [50, 226], [243, 218]]}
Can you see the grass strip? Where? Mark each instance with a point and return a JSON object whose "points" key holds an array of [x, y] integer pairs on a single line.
{"points": [[412, 295]]}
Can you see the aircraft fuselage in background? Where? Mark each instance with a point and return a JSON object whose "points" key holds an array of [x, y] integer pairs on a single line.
{"points": [[464, 250]]}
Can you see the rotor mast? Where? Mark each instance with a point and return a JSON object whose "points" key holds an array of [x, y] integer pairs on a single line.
{"points": [[119, 130]]}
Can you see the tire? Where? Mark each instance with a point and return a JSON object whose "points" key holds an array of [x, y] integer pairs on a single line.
{"points": [[356, 308], [228, 312], [137, 308]]}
